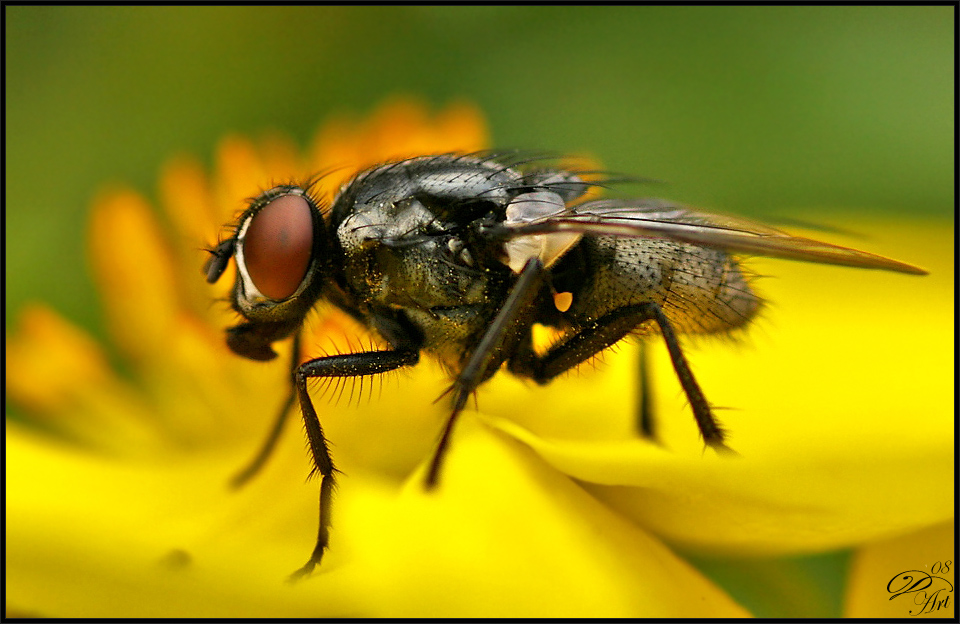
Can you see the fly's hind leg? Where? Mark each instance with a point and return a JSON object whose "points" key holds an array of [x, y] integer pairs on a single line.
{"points": [[345, 365], [606, 331], [646, 425]]}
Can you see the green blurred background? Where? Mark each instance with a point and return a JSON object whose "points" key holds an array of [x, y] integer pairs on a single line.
{"points": [[755, 110]]}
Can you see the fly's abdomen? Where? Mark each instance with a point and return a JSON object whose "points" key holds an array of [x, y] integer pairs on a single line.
{"points": [[700, 290], [707, 291]]}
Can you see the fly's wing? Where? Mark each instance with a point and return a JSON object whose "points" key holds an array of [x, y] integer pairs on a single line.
{"points": [[652, 218]]}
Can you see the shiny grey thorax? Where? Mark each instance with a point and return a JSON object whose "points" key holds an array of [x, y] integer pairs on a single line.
{"points": [[403, 253]]}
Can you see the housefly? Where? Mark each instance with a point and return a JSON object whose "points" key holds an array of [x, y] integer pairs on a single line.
{"points": [[458, 256]]}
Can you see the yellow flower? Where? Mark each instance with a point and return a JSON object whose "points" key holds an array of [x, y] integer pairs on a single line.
{"points": [[117, 497]]}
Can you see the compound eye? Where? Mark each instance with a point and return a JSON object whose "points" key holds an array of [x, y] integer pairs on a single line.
{"points": [[277, 246]]}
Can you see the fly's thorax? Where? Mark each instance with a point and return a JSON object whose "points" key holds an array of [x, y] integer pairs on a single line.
{"points": [[701, 290], [451, 334], [445, 181], [398, 254]]}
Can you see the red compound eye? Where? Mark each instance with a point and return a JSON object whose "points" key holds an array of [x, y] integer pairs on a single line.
{"points": [[278, 245]]}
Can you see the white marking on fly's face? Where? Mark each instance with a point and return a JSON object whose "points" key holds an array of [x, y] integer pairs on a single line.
{"points": [[250, 293]]}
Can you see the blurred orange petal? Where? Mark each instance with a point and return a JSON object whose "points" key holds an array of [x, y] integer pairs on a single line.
{"points": [[239, 173], [134, 269], [186, 198], [400, 128], [48, 359]]}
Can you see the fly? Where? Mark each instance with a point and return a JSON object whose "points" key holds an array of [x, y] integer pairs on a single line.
{"points": [[458, 256]]}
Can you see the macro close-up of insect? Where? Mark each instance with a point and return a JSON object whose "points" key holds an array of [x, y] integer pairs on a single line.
{"points": [[457, 257], [639, 312]]}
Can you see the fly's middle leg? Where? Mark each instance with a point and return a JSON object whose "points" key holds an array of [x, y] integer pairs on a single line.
{"points": [[504, 334]]}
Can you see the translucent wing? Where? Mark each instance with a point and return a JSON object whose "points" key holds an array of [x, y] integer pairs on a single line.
{"points": [[653, 218]]}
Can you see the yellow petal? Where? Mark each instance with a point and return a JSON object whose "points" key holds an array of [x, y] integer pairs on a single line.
{"points": [[504, 535], [844, 429], [89, 537], [908, 576]]}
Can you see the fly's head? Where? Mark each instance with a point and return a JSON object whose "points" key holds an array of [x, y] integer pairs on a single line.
{"points": [[281, 251]]}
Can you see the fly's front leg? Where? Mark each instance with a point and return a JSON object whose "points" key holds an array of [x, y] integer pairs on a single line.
{"points": [[346, 365], [511, 324], [606, 331]]}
